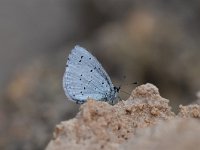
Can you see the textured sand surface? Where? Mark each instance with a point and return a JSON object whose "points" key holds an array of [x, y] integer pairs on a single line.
{"points": [[143, 121]]}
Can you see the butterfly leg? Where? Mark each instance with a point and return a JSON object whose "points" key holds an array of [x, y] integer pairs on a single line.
{"points": [[119, 99]]}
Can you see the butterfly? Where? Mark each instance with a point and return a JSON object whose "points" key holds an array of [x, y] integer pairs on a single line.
{"points": [[85, 78]]}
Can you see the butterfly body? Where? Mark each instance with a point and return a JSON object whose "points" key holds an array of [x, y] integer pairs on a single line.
{"points": [[85, 78]]}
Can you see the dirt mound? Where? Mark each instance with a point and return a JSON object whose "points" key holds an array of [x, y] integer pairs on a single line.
{"points": [[140, 122]]}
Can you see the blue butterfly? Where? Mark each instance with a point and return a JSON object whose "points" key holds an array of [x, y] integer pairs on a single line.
{"points": [[85, 78]]}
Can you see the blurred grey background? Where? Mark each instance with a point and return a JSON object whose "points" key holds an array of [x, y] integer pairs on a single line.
{"points": [[147, 41]]}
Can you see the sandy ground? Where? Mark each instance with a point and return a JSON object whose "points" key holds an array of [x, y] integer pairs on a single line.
{"points": [[144, 121]]}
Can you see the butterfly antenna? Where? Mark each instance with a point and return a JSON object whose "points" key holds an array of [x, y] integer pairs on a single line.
{"points": [[129, 84]]}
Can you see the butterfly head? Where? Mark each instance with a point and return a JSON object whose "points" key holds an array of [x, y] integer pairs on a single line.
{"points": [[116, 89]]}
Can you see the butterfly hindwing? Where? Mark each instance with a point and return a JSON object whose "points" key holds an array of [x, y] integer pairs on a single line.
{"points": [[85, 77]]}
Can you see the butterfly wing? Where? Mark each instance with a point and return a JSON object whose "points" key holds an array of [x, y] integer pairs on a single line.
{"points": [[85, 77]]}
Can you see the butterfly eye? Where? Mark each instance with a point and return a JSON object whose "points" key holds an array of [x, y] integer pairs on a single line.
{"points": [[116, 89]]}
